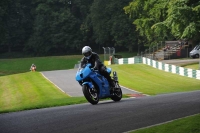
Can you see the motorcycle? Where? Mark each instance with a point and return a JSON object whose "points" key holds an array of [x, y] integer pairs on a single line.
{"points": [[95, 86]]}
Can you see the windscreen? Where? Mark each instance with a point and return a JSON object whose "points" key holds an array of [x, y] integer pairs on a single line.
{"points": [[197, 47]]}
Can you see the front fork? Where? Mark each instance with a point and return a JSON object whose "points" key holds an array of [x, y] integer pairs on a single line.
{"points": [[115, 78]]}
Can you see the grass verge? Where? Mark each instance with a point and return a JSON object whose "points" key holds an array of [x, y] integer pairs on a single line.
{"points": [[152, 81], [31, 91], [21, 65], [185, 125], [194, 66]]}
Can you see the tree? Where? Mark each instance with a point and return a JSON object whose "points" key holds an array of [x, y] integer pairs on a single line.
{"points": [[15, 23], [56, 29], [165, 19], [149, 16], [183, 19], [111, 26]]}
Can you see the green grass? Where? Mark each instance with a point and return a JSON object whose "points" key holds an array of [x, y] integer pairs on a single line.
{"points": [[20, 65], [194, 66], [21, 89], [31, 91], [185, 125], [152, 81]]}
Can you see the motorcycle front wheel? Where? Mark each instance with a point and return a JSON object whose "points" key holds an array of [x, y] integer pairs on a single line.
{"points": [[90, 94]]}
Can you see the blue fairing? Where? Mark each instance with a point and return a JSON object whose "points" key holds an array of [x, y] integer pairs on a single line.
{"points": [[89, 84], [86, 76], [83, 73]]}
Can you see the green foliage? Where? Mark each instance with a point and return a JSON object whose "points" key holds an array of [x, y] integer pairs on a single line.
{"points": [[55, 29], [15, 21], [158, 20], [111, 26], [181, 25], [58, 27], [47, 27]]}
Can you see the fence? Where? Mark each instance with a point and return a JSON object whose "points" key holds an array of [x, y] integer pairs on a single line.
{"points": [[175, 51], [108, 51], [149, 53]]}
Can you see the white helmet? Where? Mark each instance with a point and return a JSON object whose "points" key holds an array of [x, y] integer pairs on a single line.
{"points": [[87, 52]]}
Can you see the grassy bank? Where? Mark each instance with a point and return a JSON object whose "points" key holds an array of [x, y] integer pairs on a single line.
{"points": [[21, 65], [152, 81], [185, 125], [194, 66], [31, 91]]}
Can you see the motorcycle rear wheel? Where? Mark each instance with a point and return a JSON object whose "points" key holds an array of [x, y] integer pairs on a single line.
{"points": [[90, 94]]}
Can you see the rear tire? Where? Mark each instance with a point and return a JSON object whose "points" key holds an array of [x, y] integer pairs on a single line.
{"points": [[90, 94], [117, 93]]}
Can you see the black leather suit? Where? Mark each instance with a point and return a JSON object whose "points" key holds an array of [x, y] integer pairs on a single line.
{"points": [[98, 65]]}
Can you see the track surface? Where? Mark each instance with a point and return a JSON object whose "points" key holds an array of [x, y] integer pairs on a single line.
{"points": [[106, 117], [65, 80], [179, 62]]}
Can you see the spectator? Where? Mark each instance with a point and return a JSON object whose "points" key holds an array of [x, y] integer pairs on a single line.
{"points": [[168, 47], [182, 43], [33, 67], [186, 43]]}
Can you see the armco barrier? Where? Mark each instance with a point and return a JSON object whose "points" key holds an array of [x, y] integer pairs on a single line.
{"points": [[161, 66]]}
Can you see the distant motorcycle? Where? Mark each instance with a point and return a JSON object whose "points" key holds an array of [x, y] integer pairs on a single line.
{"points": [[95, 86]]}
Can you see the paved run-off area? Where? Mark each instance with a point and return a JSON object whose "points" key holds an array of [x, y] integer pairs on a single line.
{"points": [[65, 81]]}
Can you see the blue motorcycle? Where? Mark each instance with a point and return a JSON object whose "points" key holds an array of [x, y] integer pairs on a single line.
{"points": [[95, 86]]}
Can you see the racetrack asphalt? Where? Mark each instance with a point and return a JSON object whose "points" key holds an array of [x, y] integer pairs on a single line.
{"points": [[65, 81], [105, 117], [179, 62]]}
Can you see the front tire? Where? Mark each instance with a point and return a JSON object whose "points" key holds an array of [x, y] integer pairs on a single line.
{"points": [[90, 94]]}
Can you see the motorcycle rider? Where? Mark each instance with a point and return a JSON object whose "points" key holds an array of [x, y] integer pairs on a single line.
{"points": [[33, 67], [93, 58]]}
